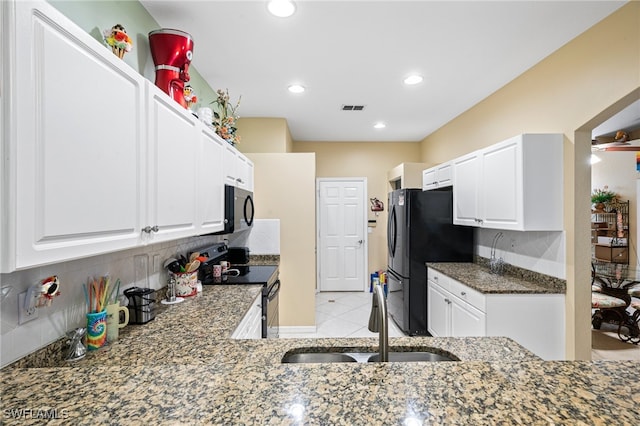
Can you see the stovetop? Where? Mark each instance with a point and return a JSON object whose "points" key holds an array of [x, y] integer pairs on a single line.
{"points": [[249, 274], [252, 274]]}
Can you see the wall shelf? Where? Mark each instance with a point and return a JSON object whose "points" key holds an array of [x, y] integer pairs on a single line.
{"points": [[610, 233]]}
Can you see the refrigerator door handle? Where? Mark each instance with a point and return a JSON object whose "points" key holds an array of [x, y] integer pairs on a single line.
{"points": [[391, 232]]}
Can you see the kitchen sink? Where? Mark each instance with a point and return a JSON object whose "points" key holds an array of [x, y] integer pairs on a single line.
{"points": [[317, 357], [414, 357], [349, 355]]}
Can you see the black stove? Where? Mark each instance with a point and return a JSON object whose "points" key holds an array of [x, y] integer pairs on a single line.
{"points": [[264, 275], [249, 274]]}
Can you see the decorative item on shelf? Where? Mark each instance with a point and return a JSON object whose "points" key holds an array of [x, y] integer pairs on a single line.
{"points": [[602, 199], [172, 52], [190, 97], [117, 38], [224, 117], [621, 136]]}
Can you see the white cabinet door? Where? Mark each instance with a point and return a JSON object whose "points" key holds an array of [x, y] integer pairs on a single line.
{"points": [[174, 146], [230, 165], [77, 136], [438, 311], [244, 169], [429, 181], [250, 327], [210, 183], [247, 173], [466, 171], [439, 176], [466, 320], [501, 185], [515, 184], [444, 175]]}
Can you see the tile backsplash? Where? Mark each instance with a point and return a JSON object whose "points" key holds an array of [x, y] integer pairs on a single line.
{"points": [[68, 310]]}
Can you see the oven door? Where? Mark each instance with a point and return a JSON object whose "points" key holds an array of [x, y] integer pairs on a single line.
{"points": [[270, 317]]}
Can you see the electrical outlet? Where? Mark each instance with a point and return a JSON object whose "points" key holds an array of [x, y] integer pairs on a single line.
{"points": [[25, 315]]}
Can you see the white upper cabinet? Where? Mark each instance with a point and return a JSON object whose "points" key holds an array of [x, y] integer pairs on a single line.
{"points": [[76, 138], [174, 147], [516, 184], [95, 158], [230, 165], [466, 171], [210, 183], [440, 176], [244, 170], [238, 169]]}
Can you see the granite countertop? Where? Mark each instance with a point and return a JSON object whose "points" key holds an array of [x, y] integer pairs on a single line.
{"points": [[182, 368], [479, 278]]}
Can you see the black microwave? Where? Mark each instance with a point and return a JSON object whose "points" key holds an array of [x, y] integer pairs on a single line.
{"points": [[238, 209]]}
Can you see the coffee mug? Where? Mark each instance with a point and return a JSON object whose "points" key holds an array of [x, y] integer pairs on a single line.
{"points": [[225, 265], [113, 320], [217, 271], [96, 330]]}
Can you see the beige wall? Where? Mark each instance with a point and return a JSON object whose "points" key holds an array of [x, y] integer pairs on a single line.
{"points": [[617, 170], [565, 93], [284, 188], [263, 135], [364, 159]]}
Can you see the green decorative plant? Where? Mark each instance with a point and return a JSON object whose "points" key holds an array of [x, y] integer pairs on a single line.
{"points": [[224, 117], [603, 196]]}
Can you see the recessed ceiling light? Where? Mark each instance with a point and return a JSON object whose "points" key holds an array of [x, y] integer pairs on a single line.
{"points": [[296, 88], [379, 125], [281, 8], [413, 79]]}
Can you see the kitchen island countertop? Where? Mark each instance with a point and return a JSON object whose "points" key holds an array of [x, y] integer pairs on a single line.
{"points": [[182, 368]]}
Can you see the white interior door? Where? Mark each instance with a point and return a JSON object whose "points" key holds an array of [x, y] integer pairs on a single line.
{"points": [[342, 246]]}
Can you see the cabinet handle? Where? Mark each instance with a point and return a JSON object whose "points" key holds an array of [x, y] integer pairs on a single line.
{"points": [[155, 228], [447, 300], [148, 229], [239, 180], [463, 293], [435, 278]]}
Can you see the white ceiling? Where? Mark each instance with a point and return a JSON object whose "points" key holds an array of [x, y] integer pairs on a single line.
{"points": [[358, 52]]}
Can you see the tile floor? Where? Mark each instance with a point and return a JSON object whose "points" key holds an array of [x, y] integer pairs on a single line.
{"points": [[344, 314]]}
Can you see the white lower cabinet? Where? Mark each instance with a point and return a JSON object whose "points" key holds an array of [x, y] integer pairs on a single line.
{"points": [[535, 321], [450, 316], [250, 326]]}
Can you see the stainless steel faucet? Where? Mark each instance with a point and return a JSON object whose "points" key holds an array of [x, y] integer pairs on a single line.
{"points": [[379, 321]]}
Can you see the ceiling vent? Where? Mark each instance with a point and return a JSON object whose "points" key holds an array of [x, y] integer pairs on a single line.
{"points": [[352, 107]]}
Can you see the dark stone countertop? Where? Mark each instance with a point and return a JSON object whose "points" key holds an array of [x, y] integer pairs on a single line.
{"points": [[479, 278]]}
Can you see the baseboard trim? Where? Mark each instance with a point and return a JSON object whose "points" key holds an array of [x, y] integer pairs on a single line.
{"points": [[294, 329]]}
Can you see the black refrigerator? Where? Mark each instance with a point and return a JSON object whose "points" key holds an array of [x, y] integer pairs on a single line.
{"points": [[420, 229]]}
